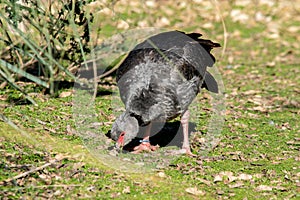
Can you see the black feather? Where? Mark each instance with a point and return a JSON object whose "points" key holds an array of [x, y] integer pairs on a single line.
{"points": [[162, 75]]}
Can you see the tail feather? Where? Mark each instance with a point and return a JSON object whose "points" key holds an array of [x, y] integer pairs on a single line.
{"points": [[208, 45], [210, 83]]}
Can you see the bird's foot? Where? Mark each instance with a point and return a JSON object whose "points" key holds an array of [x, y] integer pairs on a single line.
{"points": [[189, 153], [145, 146], [186, 151]]}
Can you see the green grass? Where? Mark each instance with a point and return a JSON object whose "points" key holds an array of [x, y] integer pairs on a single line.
{"points": [[260, 137], [76, 174]]}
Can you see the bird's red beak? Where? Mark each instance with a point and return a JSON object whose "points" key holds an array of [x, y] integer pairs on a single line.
{"points": [[120, 141]]}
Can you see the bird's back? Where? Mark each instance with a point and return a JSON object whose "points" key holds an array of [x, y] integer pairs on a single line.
{"points": [[161, 76]]}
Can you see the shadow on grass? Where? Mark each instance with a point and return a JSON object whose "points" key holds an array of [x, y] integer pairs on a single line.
{"points": [[162, 134]]}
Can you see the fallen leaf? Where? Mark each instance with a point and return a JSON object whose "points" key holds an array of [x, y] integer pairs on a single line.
{"points": [[217, 178], [57, 192], [45, 178], [281, 188], [229, 175], [264, 188], [151, 4], [65, 94], [194, 191], [161, 174], [91, 188], [115, 195], [258, 108], [252, 115], [251, 92], [238, 16], [126, 190], [220, 192], [162, 22], [60, 156], [122, 24], [206, 182], [271, 64], [244, 177], [293, 29], [208, 25], [236, 185]]}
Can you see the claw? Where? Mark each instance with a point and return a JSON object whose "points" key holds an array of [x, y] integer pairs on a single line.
{"points": [[145, 146], [186, 151]]}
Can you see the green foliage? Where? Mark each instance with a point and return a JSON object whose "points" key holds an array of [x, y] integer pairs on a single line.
{"points": [[43, 43]]}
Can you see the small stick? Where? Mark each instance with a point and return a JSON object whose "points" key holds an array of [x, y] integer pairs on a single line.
{"points": [[28, 172]]}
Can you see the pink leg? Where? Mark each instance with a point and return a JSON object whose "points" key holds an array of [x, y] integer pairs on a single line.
{"points": [[148, 131], [185, 125], [145, 143]]}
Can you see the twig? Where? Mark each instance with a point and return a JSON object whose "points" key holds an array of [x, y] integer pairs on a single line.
{"points": [[2, 85], [43, 186], [95, 82], [111, 70], [29, 172], [224, 27], [107, 73]]}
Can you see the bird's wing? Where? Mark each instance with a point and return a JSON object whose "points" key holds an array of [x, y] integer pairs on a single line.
{"points": [[210, 83], [194, 50]]}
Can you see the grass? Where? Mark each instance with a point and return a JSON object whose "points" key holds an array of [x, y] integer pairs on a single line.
{"points": [[257, 157], [76, 174]]}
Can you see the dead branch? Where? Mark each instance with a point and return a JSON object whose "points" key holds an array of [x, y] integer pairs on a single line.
{"points": [[29, 172]]}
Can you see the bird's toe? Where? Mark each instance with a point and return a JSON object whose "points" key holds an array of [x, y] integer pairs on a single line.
{"points": [[181, 151], [145, 147]]}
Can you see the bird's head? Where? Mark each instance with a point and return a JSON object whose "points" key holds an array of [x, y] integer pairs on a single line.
{"points": [[124, 129]]}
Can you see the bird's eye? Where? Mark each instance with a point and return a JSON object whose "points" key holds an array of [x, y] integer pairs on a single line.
{"points": [[122, 134]]}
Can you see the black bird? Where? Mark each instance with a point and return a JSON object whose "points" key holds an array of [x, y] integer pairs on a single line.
{"points": [[158, 81]]}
